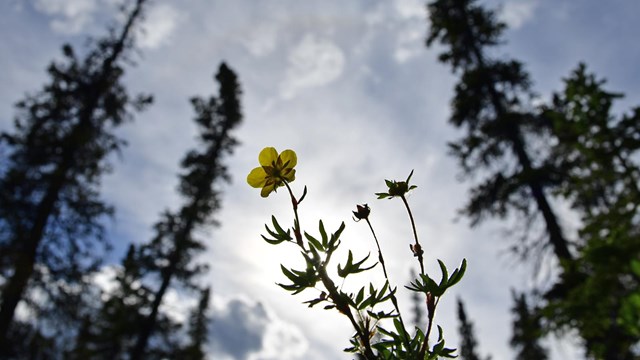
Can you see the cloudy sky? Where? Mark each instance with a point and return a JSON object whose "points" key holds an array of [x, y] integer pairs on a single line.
{"points": [[351, 88]]}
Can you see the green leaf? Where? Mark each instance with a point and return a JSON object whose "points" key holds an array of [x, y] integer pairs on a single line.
{"points": [[409, 177], [635, 267], [272, 233], [343, 272], [382, 195], [356, 266], [289, 274], [335, 236], [399, 328], [304, 194], [314, 242], [425, 285], [294, 288], [323, 233], [457, 274], [445, 273], [279, 229], [360, 296], [272, 241], [314, 302]]}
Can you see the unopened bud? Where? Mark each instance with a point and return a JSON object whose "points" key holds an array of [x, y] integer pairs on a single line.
{"points": [[416, 249], [431, 305], [362, 212]]}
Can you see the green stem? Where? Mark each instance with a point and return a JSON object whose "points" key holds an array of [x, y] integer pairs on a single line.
{"points": [[394, 300], [296, 224], [334, 293], [425, 344], [384, 268], [418, 252]]}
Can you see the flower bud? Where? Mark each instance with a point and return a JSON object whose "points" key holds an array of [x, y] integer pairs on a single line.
{"points": [[431, 305], [416, 249], [398, 188], [362, 212]]}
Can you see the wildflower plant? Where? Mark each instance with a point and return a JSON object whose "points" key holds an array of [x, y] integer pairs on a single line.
{"points": [[380, 331]]}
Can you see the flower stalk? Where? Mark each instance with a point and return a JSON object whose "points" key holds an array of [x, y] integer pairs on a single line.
{"points": [[277, 170]]}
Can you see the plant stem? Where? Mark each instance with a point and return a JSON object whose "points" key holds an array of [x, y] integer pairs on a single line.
{"points": [[418, 249], [296, 224], [394, 300], [430, 315], [380, 258], [334, 293]]}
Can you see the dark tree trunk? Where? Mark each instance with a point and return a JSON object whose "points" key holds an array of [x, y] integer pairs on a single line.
{"points": [[26, 256]]}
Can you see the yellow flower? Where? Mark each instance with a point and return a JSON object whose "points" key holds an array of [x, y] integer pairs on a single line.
{"points": [[274, 170]]}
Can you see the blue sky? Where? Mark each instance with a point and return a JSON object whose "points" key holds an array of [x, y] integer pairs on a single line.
{"points": [[352, 89]]}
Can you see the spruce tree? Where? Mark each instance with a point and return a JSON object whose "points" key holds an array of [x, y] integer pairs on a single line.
{"points": [[527, 331], [491, 103], [170, 255], [584, 155], [468, 343], [111, 331], [51, 214], [198, 330], [597, 153]]}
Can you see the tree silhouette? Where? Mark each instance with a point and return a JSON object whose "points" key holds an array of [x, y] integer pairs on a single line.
{"points": [[585, 156], [110, 331], [198, 328], [170, 254], [50, 210], [597, 154], [491, 102], [527, 331], [468, 342]]}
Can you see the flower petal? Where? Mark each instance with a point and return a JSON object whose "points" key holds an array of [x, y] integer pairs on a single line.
{"points": [[267, 190], [257, 178], [267, 156], [289, 156]]}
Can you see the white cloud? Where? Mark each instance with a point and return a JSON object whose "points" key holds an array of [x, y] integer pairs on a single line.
{"points": [[314, 62], [517, 13], [261, 40], [246, 330], [410, 8], [409, 44], [160, 23], [349, 137], [74, 16], [69, 16]]}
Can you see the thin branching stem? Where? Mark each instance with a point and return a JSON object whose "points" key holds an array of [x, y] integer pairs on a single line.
{"points": [[296, 224], [430, 316], [394, 300], [380, 257], [418, 249], [334, 293]]}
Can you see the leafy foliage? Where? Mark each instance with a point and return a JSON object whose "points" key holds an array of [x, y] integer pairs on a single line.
{"points": [[584, 156], [51, 214], [468, 343], [365, 309], [170, 255], [129, 323], [527, 330], [597, 155], [492, 104]]}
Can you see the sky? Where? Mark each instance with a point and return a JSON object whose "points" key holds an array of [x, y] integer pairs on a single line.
{"points": [[348, 85]]}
